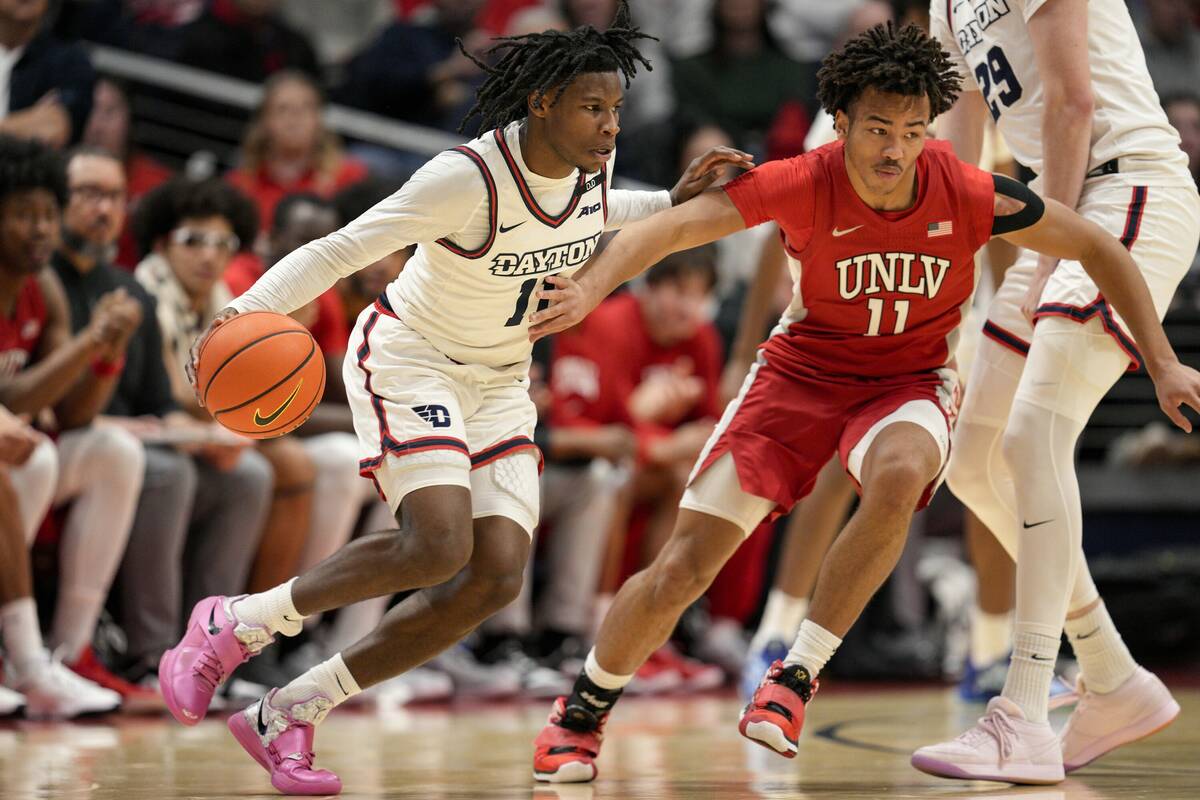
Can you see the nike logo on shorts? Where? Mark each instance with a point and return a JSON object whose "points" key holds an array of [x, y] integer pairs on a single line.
{"points": [[1027, 525]]}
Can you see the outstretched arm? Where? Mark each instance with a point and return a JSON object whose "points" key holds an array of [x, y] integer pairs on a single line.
{"points": [[704, 219], [1063, 234]]}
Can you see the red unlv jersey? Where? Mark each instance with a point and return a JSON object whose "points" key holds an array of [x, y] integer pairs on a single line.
{"points": [[877, 294], [21, 332]]}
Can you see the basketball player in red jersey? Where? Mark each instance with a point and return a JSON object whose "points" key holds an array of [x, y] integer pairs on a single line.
{"points": [[880, 229]]}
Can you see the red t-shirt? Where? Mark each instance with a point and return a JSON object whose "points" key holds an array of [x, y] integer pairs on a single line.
{"points": [[266, 193], [21, 332], [330, 328], [880, 295], [598, 363]]}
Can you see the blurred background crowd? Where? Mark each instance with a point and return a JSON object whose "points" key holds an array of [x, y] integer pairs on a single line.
{"points": [[206, 139]]}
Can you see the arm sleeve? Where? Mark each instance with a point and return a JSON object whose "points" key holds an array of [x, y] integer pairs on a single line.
{"points": [[625, 207], [777, 190], [1027, 216], [439, 200], [939, 28]]}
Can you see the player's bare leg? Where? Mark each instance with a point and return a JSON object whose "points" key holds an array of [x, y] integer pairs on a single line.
{"points": [[433, 543], [810, 531], [278, 730]]}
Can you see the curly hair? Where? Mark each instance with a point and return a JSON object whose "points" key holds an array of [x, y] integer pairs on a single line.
{"points": [[538, 62], [902, 61], [26, 164], [161, 210]]}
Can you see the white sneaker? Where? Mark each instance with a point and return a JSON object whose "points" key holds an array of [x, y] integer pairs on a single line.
{"points": [[52, 691], [1100, 723], [10, 702], [1003, 746]]}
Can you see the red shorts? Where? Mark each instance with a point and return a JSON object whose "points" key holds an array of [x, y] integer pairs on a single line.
{"points": [[783, 427]]}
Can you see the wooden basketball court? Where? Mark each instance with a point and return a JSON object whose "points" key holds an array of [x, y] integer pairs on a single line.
{"points": [[856, 745]]}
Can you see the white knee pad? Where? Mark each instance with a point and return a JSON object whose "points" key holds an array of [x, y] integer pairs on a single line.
{"points": [[508, 487], [1071, 366]]}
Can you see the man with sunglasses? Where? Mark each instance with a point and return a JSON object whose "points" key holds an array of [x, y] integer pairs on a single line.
{"points": [[202, 505]]}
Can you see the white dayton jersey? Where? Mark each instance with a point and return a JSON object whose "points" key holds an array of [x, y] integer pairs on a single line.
{"points": [[488, 232], [989, 44]]}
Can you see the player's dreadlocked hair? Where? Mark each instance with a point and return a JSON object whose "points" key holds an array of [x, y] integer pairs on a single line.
{"points": [[537, 62], [902, 61]]}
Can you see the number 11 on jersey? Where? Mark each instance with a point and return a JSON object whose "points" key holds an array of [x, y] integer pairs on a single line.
{"points": [[523, 302], [875, 306]]}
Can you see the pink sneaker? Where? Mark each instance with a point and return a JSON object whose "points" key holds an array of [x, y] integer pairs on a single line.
{"points": [[281, 741], [213, 644], [1100, 723], [1003, 746]]}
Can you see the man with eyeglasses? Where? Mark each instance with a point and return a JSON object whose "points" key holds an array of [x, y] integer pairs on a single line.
{"points": [[203, 502]]}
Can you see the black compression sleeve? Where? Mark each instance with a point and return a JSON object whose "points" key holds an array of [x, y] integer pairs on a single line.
{"points": [[1031, 213]]}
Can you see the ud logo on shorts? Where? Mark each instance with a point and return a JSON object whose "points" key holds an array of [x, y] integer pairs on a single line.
{"points": [[437, 416]]}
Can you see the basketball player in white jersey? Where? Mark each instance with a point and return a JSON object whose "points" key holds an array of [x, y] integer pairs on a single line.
{"points": [[1066, 82], [437, 377]]}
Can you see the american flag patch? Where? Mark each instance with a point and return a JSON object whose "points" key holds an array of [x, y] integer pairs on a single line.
{"points": [[940, 229]]}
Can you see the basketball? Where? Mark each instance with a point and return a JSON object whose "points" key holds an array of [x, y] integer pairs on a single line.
{"points": [[260, 374]]}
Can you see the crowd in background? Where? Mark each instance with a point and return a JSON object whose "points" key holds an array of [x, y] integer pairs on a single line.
{"points": [[126, 503]]}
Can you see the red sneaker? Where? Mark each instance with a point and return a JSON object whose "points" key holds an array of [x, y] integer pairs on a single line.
{"points": [[134, 699], [566, 749], [775, 715]]}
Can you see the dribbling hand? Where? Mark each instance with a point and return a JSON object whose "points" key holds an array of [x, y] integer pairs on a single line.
{"points": [[569, 304], [223, 316]]}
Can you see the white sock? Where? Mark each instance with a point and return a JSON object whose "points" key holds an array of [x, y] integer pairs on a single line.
{"points": [[1104, 659], [814, 646], [22, 636], [272, 609], [780, 620], [331, 679], [602, 677], [1031, 670], [991, 636]]}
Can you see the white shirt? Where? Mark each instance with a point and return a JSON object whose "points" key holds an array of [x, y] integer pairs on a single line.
{"points": [[989, 44]]}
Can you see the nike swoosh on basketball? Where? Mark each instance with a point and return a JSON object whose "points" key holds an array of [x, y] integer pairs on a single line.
{"points": [[511, 227], [1034, 525], [837, 233], [263, 422]]}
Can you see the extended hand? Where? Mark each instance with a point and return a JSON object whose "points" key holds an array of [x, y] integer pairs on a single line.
{"points": [[706, 169], [220, 319], [1178, 385], [569, 304]]}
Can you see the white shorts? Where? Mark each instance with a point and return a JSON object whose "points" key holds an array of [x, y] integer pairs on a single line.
{"points": [[1159, 224], [423, 419]]}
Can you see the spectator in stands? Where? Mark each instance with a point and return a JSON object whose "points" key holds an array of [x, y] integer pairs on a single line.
{"points": [[288, 149], [28, 464], [742, 80], [246, 39], [45, 84], [152, 27], [204, 500], [109, 128], [414, 71], [650, 360], [189, 231], [47, 371], [1171, 44]]}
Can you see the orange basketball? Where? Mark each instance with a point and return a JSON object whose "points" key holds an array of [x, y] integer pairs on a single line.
{"points": [[261, 374]]}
